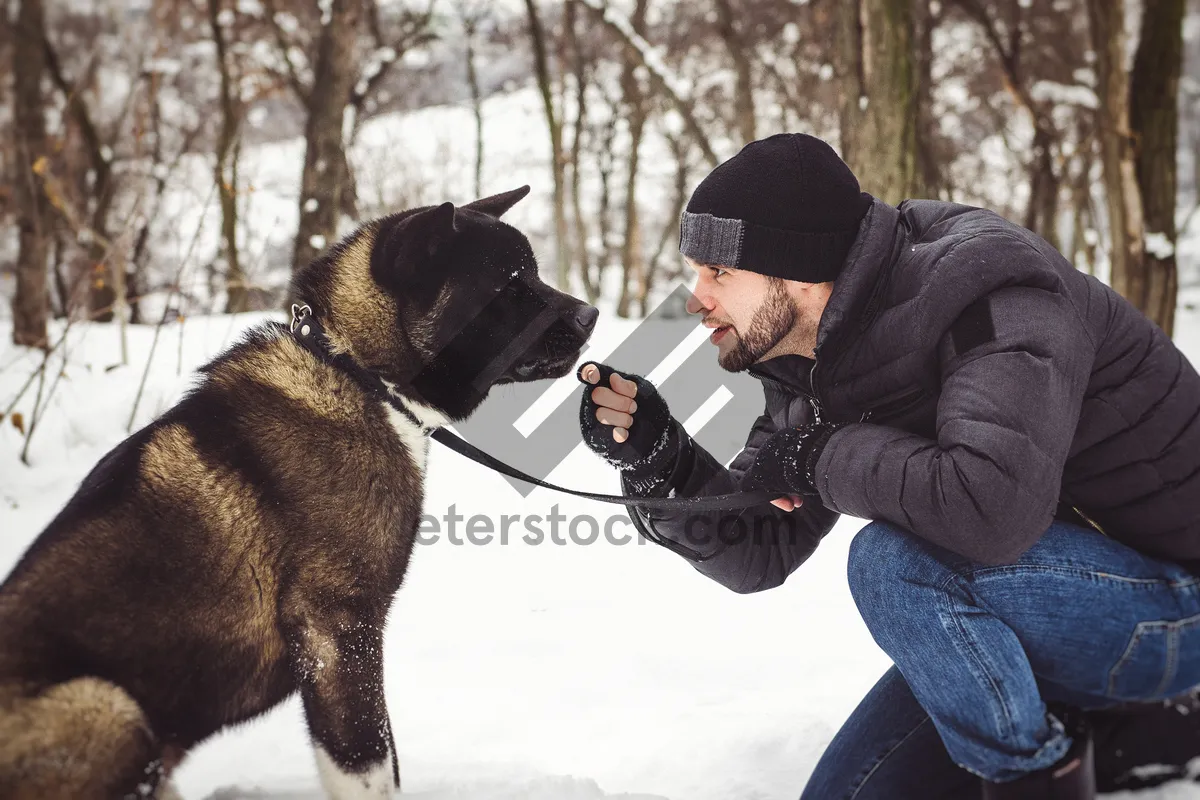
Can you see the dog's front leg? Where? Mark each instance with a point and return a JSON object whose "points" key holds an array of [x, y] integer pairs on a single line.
{"points": [[395, 755], [338, 664]]}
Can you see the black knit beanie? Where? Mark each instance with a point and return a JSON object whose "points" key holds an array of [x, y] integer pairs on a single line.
{"points": [[785, 206]]}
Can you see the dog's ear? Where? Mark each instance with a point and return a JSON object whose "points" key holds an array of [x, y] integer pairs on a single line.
{"points": [[406, 245], [497, 204], [435, 226]]}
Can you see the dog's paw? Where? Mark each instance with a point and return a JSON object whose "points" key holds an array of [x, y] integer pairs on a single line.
{"points": [[375, 783]]}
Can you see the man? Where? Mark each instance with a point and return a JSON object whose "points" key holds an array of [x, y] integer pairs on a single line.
{"points": [[1025, 442]]}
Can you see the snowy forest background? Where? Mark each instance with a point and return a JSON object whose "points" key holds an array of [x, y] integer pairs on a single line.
{"points": [[182, 156], [165, 163]]}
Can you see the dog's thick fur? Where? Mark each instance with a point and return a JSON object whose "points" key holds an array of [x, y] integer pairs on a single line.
{"points": [[248, 543]]}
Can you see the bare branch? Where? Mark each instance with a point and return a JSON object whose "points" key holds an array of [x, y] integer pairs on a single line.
{"points": [[78, 110], [640, 50], [283, 47], [415, 32]]}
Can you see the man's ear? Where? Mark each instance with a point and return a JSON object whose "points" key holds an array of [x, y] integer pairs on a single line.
{"points": [[497, 204]]}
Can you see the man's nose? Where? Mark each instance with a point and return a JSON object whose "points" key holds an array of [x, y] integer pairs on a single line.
{"points": [[696, 305]]}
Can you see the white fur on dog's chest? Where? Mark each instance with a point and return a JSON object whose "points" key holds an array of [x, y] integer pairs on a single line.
{"points": [[416, 442], [410, 435]]}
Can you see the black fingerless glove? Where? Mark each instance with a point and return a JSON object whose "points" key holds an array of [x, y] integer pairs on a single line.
{"points": [[787, 461], [653, 442]]}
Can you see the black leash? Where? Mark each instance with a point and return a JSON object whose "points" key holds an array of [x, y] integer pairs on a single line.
{"points": [[309, 333]]}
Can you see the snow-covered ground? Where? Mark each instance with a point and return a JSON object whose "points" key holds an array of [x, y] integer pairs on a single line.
{"points": [[517, 671]]}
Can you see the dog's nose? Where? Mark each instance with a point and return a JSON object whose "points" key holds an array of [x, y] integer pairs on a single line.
{"points": [[585, 318]]}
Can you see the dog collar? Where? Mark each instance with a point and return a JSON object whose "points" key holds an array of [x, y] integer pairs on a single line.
{"points": [[310, 334]]}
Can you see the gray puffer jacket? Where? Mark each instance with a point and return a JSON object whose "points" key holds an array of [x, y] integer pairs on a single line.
{"points": [[989, 388]]}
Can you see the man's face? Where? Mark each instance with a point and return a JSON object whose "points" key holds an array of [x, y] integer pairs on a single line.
{"points": [[754, 317]]}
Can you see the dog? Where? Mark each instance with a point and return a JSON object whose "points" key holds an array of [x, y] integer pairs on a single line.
{"points": [[248, 543]]}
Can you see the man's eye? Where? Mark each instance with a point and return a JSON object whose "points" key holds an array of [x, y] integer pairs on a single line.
{"points": [[719, 272]]}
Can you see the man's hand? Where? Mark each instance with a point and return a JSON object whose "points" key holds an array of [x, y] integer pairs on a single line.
{"points": [[789, 503], [614, 406], [786, 462], [643, 446]]}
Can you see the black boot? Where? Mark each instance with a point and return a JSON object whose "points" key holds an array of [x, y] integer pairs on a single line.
{"points": [[1135, 735], [1072, 777]]}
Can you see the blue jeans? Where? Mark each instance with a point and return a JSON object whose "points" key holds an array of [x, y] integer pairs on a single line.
{"points": [[1080, 619]]}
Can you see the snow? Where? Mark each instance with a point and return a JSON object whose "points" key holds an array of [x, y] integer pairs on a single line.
{"points": [[164, 66], [549, 670], [287, 22], [1159, 246], [415, 58], [1064, 94]]}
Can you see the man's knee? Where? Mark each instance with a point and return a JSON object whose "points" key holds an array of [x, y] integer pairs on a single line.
{"points": [[886, 569], [873, 556]]}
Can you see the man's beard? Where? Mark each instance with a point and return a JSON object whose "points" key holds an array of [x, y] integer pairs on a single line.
{"points": [[773, 320]]}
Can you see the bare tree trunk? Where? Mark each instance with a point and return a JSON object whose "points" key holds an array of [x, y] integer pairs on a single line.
{"points": [[470, 28], [679, 148], [1080, 187], [604, 167], [1154, 121], [1044, 181], [542, 67], [58, 275], [931, 177], [879, 118], [225, 170], [325, 168], [1126, 230], [743, 99], [134, 284], [103, 284], [575, 152], [31, 303], [1041, 215], [634, 102]]}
